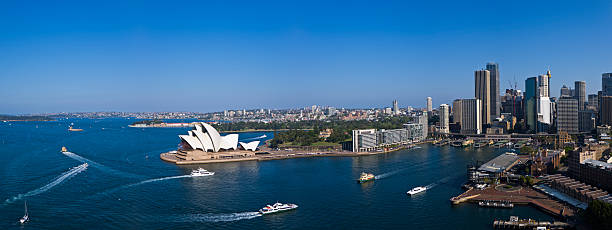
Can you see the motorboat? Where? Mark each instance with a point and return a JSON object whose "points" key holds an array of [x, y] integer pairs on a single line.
{"points": [[416, 190], [201, 172], [25, 217], [277, 207]]}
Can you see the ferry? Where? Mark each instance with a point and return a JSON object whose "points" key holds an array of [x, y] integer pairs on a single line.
{"points": [[365, 177], [73, 129], [25, 217], [201, 172], [416, 190], [277, 207]]}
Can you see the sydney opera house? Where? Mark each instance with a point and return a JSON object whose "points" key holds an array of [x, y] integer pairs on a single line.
{"points": [[205, 143]]}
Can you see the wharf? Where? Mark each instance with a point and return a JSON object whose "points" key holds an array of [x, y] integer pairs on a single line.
{"points": [[522, 196]]}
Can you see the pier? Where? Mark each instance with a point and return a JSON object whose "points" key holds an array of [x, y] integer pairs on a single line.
{"points": [[516, 223]]}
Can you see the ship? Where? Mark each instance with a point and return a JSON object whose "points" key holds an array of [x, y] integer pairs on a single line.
{"points": [[73, 129], [416, 190], [277, 207], [365, 177], [201, 172]]}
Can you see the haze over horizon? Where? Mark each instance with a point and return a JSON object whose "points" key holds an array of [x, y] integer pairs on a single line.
{"points": [[210, 56]]}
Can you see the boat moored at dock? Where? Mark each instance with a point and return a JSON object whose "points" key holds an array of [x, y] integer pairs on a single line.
{"points": [[277, 207]]}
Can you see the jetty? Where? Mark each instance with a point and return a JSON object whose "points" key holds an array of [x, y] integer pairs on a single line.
{"points": [[515, 223]]}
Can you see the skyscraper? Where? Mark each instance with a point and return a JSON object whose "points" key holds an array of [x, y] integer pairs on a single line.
{"points": [[457, 111], [593, 102], [606, 110], [493, 69], [567, 115], [444, 124], [543, 86], [482, 91], [470, 116], [580, 94], [531, 112], [606, 84], [395, 108], [565, 91], [585, 121], [429, 104]]}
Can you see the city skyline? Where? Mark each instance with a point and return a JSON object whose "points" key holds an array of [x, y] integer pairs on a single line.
{"points": [[141, 61]]}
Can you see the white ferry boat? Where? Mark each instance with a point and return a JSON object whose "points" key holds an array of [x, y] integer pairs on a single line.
{"points": [[416, 190], [277, 207], [201, 172]]}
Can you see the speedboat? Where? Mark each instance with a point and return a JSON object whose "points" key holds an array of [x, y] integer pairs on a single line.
{"points": [[201, 172], [365, 177], [25, 217], [416, 190], [277, 207]]}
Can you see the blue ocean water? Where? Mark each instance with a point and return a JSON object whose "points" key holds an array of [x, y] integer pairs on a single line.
{"points": [[127, 186]]}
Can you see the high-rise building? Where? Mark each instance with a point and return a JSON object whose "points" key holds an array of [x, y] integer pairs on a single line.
{"points": [[423, 119], [606, 84], [493, 69], [565, 91], [543, 85], [482, 91], [471, 116], [396, 110], [429, 104], [586, 121], [606, 110], [443, 114], [567, 115], [593, 103], [580, 94], [457, 111], [531, 115]]}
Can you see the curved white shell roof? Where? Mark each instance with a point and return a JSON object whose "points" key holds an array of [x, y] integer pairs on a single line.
{"points": [[250, 146], [206, 137]]}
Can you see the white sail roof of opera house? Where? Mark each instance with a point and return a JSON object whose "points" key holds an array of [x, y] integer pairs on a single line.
{"points": [[250, 146], [207, 138]]}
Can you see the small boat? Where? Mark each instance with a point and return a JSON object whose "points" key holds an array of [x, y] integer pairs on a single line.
{"points": [[416, 190], [365, 177], [25, 217], [277, 207], [74, 130], [201, 172], [64, 149]]}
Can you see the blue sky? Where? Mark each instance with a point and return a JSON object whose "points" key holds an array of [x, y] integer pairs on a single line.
{"points": [[207, 56]]}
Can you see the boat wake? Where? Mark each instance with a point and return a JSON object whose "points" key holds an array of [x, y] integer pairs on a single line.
{"points": [[145, 182], [64, 176], [441, 181], [227, 217], [98, 165], [255, 138], [385, 175]]}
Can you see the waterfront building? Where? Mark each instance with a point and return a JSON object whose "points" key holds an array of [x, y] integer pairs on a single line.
{"points": [[457, 111], [575, 189], [580, 94], [565, 91], [423, 119], [606, 84], [586, 121], [364, 140], [415, 132], [493, 169], [606, 110], [493, 69], [443, 115], [584, 167], [429, 104], [471, 116], [206, 138], [567, 115], [482, 91]]}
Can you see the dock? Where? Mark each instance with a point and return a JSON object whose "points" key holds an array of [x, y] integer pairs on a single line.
{"points": [[516, 223]]}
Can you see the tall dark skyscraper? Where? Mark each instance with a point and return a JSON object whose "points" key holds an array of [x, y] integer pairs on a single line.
{"points": [[482, 91], [606, 84], [580, 94], [495, 103]]}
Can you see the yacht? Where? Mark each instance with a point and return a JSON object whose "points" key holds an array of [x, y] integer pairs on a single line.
{"points": [[365, 177], [201, 172], [416, 190], [277, 207], [25, 217]]}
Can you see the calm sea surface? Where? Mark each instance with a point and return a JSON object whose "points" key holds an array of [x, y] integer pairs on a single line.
{"points": [[127, 186]]}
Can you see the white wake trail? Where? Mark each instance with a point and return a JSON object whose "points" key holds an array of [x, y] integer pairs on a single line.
{"points": [[224, 217], [98, 165], [384, 175], [255, 138], [145, 182], [64, 176]]}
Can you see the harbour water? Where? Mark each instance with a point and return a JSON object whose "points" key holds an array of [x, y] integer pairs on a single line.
{"points": [[127, 186]]}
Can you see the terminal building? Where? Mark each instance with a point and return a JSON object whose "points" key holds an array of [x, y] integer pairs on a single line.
{"points": [[494, 169]]}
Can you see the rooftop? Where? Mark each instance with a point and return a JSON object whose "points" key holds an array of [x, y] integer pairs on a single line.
{"points": [[500, 163]]}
